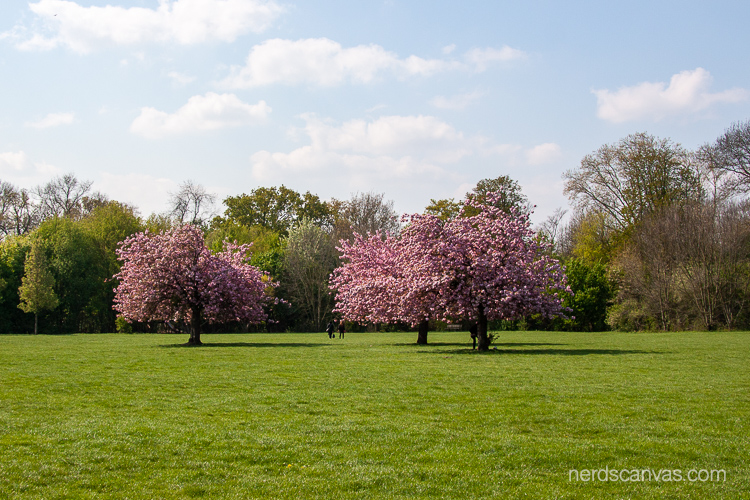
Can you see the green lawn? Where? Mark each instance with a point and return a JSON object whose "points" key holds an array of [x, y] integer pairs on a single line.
{"points": [[372, 416]]}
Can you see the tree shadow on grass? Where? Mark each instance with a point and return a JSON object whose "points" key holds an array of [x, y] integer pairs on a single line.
{"points": [[464, 344], [550, 352], [243, 344]]}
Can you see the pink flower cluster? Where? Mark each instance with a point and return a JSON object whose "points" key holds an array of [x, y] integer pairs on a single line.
{"points": [[488, 264], [173, 276]]}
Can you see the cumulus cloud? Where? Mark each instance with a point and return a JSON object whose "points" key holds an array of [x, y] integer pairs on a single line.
{"points": [[180, 79], [688, 92], [390, 146], [457, 102], [405, 147], [482, 59], [52, 120], [13, 162], [17, 168], [147, 192], [201, 113], [543, 153], [186, 22], [324, 62]]}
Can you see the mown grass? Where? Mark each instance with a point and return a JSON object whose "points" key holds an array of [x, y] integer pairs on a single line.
{"points": [[372, 416]]}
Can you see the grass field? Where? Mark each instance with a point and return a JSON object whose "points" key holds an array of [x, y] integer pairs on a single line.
{"points": [[372, 416]]}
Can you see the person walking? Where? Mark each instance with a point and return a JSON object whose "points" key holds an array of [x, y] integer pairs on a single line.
{"points": [[473, 332], [341, 329], [329, 329]]}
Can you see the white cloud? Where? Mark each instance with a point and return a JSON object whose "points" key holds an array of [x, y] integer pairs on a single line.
{"points": [[324, 62], [186, 22], [405, 147], [148, 193], [394, 136], [543, 153], [457, 102], [180, 79], [482, 59], [52, 120], [201, 113], [10, 162], [18, 168], [448, 49], [688, 92]]}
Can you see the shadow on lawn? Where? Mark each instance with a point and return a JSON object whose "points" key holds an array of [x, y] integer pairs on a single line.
{"points": [[243, 344], [464, 344], [550, 352]]}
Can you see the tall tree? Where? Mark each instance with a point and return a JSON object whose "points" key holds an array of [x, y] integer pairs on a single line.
{"points": [[731, 152], [309, 259], [173, 276], [191, 204], [278, 209], [632, 179], [506, 194], [37, 289], [480, 267], [63, 197], [366, 213], [18, 213]]}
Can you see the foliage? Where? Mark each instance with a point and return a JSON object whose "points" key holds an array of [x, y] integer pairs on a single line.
{"points": [[502, 192], [80, 269], [592, 293], [174, 277], [506, 195], [444, 210], [37, 287], [13, 251], [482, 267], [278, 209], [632, 179], [309, 259]]}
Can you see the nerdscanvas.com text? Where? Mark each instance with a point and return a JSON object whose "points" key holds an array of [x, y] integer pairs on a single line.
{"points": [[646, 475]]}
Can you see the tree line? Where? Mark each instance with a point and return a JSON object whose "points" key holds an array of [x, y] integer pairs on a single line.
{"points": [[60, 241], [657, 237]]}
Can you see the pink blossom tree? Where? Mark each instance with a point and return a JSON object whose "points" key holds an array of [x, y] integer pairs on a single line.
{"points": [[480, 267], [173, 276], [498, 269]]}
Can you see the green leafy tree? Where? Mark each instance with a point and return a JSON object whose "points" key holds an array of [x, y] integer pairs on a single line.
{"points": [[79, 268], [506, 195], [445, 210], [37, 289], [13, 251], [592, 293], [278, 209], [105, 227]]}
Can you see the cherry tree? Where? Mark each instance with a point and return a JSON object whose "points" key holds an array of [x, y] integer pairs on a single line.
{"points": [[480, 267], [498, 269], [368, 284], [173, 276]]}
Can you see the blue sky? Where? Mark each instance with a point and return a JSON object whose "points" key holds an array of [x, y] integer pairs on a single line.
{"points": [[415, 99]]}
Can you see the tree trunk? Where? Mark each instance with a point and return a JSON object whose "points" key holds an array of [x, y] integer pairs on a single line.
{"points": [[423, 328], [195, 327], [36, 321], [484, 340]]}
